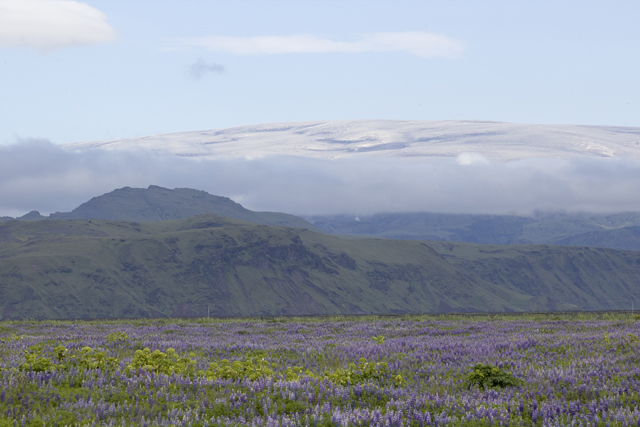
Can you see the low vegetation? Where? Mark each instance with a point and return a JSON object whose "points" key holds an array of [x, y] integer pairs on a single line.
{"points": [[413, 371]]}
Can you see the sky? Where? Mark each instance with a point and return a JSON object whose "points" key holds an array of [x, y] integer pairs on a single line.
{"points": [[74, 71], [94, 70]]}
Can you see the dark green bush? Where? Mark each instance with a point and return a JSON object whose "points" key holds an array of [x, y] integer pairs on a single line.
{"points": [[488, 376]]}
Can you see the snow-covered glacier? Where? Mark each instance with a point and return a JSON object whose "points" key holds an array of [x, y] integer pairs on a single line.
{"points": [[394, 138]]}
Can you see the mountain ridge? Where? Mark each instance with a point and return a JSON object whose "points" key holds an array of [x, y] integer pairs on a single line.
{"points": [[616, 231], [157, 203]]}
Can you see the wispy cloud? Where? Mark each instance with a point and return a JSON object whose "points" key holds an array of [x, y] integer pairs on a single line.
{"points": [[51, 24], [201, 67], [422, 44]]}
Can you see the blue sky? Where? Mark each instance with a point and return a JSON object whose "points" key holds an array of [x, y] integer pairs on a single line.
{"points": [[113, 69]]}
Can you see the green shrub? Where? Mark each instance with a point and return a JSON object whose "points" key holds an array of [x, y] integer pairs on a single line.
{"points": [[12, 337], [85, 358], [35, 361], [166, 363], [116, 337], [362, 372], [379, 339], [88, 358], [294, 373], [252, 368], [490, 376], [60, 353]]}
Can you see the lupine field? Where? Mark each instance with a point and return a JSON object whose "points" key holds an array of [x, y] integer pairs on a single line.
{"points": [[580, 370]]}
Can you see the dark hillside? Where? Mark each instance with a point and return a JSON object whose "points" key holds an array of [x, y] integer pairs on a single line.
{"points": [[103, 269], [589, 278], [120, 269]]}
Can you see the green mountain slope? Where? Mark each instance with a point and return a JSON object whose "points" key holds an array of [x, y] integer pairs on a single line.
{"points": [[589, 278], [115, 268], [161, 204], [103, 268]]}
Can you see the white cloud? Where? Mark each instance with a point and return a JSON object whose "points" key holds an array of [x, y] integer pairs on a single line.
{"points": [[425, 45], [51, 24], [420, 44], [469, 158], [36, 174]]}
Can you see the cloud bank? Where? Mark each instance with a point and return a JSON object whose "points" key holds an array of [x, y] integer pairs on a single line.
{"points": [[51, 24], [38, 175], [426, 45]]}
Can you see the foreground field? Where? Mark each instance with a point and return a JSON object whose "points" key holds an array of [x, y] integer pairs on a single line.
{"points": [[411, 371]]}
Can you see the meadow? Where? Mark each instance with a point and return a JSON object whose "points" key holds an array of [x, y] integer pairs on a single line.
{"points": [[529, 370]]}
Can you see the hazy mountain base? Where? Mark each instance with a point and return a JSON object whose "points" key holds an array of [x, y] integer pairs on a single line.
{"points": [[107, 269], [616, 231]]}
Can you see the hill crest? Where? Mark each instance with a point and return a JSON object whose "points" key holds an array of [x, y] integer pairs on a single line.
{"points": [[161, 204]]}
